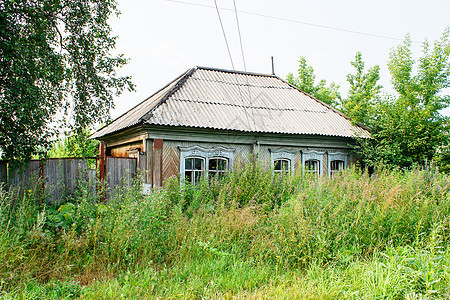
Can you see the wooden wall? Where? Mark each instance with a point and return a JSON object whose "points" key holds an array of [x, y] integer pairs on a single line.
{"points": [[122, 150]]}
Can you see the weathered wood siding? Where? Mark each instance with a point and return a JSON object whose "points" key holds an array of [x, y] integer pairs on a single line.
{"points": [[120, 172], [26, 176], [58, 178], [122, 150], [242, 153], [171, 155], [63, 176]]}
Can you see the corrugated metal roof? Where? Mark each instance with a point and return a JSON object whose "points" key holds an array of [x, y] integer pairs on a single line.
{"points": [[241, 101]]}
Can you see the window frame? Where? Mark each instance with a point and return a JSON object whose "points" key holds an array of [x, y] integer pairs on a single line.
{"points": [[196, 151], [283, 154], [282, 171], [337, 155], [194, 170], [219, 173], [313, 154], [315, 170]]}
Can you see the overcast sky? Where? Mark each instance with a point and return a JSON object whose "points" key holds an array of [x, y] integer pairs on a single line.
{"points": [[164, 38]]}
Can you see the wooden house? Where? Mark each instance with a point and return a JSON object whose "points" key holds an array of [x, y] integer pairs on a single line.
{"points": [[206, 120]]}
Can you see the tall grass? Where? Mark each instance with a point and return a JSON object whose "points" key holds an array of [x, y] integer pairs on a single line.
{"points": [[249, 233]]}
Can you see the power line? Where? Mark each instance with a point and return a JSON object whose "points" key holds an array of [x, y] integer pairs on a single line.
{"points": [[297, 21], [240, 38], [224, 35], [245, 66], [232, 64]]}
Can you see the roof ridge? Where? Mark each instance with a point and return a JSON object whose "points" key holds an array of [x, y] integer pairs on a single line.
{"points": [[235, 72], [243, 84]]}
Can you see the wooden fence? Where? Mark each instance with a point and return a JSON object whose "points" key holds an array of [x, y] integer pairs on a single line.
{"points": [[59, 177], [119, 173]]}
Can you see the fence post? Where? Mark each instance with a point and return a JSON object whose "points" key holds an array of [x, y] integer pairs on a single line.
{"points": [[102, 170], [41, 178]]}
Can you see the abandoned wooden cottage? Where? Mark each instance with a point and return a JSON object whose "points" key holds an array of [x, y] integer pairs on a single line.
{"points": [[207, 120]]}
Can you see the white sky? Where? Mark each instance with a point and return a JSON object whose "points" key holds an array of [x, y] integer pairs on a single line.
{"points": [[163, 39]]}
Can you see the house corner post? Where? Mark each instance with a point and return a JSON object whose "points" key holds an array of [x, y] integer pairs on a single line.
{"points": [[157, 162], [148, 149]]}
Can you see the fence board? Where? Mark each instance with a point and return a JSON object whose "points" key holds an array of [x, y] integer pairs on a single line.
{"points": [[61, 177], [27, 176], [120, 172]]}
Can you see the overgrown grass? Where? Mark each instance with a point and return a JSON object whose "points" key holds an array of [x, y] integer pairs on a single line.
{"points": [[249, 235]]}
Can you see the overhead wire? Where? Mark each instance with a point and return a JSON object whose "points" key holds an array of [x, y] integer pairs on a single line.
{"points": [[232, 64], [224, 35], [243, 60], [298, 22], [240, 37]]}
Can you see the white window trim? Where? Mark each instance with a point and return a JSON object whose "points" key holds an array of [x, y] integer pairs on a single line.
{"points": [[313, 155], [336, 156], [193, 170], [283, 153], [205, 153]]}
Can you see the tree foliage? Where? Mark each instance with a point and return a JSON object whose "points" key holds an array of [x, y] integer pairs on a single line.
{"points": [[55, 64], [363, 92], [75, 145], [407, 127], [305, 81]]}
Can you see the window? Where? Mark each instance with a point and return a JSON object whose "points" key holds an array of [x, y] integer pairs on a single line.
{"points": [[194, 169], [282, 160], [312, 166], [337, 161], [217, 167], [282, 166], [336, 166], [313, 161], [196, 161]]}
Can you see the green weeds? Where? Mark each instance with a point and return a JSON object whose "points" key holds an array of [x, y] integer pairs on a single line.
{"points": [[248, 235]]}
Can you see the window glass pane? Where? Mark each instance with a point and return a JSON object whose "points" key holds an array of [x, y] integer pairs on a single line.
{"points": [[312, 165], [285, 165], [198, 164], [217, 167], [336, 166], [188, 164], [222, 164], [198, 175], [213, 164], [277, 165], [188, 176]]}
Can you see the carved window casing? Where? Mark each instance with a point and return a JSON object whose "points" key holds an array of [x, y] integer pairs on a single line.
{"points": [[197, 161], [312, 161], [337, 161], [282, 160]]}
